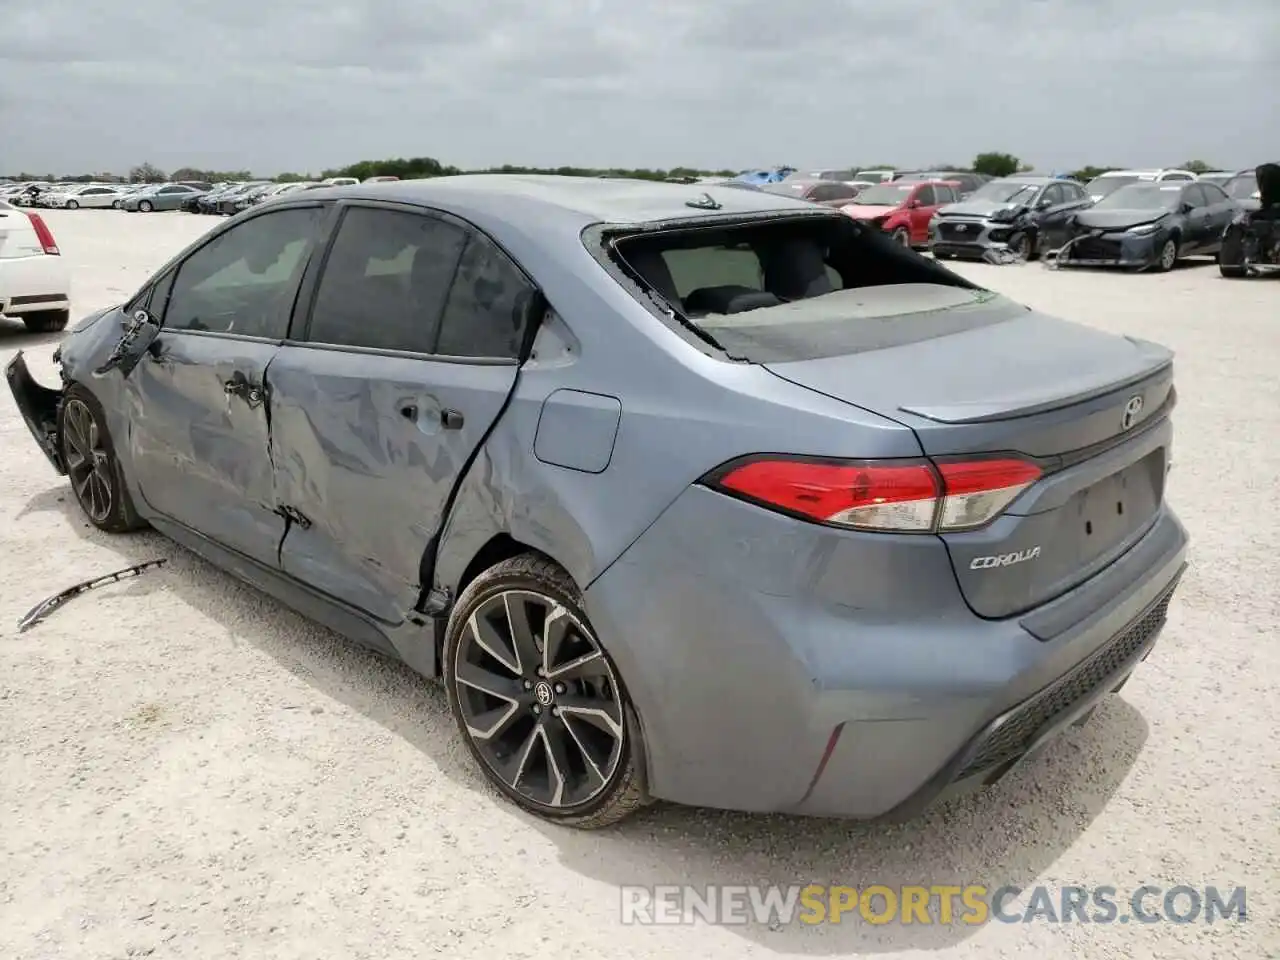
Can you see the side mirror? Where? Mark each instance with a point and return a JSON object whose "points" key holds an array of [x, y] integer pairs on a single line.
{"points": [[1186, 208], [139, 334]]}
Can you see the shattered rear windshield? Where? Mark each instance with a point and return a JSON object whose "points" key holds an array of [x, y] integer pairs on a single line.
{"points": [[779, 289]]}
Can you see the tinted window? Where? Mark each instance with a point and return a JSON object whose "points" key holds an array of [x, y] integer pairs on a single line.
{"points": [[244, 280], [925, 196], [1072, 191], [1054, 194], [486, 312], [1177, 176], [1194, 195], [173, 190], [386, 280], [944, 194]]}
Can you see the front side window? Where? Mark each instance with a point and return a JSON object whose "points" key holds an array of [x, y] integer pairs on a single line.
{"points": [[386, 280], [244, 280]]}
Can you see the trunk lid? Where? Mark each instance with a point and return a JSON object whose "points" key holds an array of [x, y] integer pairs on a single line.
{"points": [[1090, 408]]}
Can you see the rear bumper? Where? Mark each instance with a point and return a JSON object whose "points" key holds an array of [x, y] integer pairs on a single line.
{"points": [[39, 407], [777, 667], [28, 284]]}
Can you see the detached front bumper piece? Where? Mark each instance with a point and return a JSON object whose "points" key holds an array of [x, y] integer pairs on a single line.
{"points": [[39, 407], [1110, 250]]}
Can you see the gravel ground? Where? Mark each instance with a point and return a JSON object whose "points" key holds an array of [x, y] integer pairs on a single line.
{"points": [[189, 770]]}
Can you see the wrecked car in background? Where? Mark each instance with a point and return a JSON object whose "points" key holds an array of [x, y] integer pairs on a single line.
{"points": [[1026, 215], [1251, 242], [684, 492], [902, 209], [1149, 224]]}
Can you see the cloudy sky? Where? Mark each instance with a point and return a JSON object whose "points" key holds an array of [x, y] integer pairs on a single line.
{"points": [[294, 85]]}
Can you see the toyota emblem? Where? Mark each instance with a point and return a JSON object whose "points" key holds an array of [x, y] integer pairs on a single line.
{"points": [[1132, 410]]}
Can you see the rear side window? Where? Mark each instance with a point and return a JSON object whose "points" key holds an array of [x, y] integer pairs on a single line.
{"points": [[386, 280], [771, 290], [488, 305]]}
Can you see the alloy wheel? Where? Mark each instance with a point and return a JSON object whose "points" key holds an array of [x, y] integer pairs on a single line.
{"points": [[539, 699], [1168, 255], [88, 462]]}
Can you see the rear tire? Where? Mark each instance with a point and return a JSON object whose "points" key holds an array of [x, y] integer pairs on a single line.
{"points": [[47, 321], [97, 479], [519, 735], [115, 204]]}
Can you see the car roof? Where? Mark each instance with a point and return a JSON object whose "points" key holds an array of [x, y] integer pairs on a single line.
{"points": [[1035, 181], [532, 203]]}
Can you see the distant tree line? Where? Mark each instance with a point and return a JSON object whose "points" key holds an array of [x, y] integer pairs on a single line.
{"points": [[992, 163]]}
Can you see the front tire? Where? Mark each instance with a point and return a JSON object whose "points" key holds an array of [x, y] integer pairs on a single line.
{"points": [[537, 699], [73, 205], [1022, 245], [47, 321], [901, 237], [145, 206], [1167, 259], [115, 204], [97, 479]]}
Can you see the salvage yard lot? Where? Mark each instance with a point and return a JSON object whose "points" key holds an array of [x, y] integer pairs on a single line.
{"points": [[188, 768]]}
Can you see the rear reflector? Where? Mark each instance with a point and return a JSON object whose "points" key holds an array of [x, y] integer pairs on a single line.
{"points": [[888, 495], [43, 234]]}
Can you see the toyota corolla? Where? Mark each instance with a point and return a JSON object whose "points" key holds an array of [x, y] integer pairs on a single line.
{"points": [[688, 493]]}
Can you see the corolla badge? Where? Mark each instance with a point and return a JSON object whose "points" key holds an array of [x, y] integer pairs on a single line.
{"points": [[1004, 559], [1132, 411]]}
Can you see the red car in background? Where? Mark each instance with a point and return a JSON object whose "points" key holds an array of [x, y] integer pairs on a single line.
{"points": [[903, 208]]}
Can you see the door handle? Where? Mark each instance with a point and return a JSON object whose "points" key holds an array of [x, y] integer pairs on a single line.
{"points": [[451, 419]]}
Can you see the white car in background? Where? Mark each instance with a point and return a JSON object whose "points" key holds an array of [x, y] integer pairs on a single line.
{"points": [[93, 195], [1107, 183], [35, 279]]}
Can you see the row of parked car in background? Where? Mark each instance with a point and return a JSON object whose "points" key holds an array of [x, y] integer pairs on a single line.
{"points": [[1137, 219], [195, 196]]}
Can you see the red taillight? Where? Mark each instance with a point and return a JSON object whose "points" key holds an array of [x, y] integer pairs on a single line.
{"points": [[895, 496], [43, 234]]}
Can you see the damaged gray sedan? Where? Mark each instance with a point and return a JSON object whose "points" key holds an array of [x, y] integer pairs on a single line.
{"points": [[688, 493]]}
